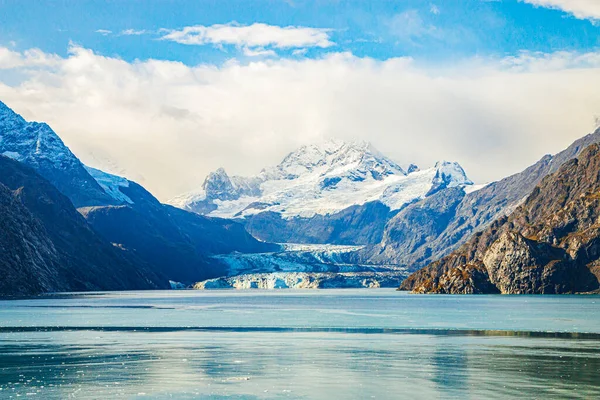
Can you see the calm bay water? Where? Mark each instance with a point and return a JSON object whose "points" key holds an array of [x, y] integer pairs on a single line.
{"points": [[327, 344]]}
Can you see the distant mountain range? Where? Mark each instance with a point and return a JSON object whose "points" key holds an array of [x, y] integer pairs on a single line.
{"points": [[334, 192], [332, 214]]}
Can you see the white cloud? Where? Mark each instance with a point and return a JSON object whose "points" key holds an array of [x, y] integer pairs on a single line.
{"points": [[167, 124], [255, 35], [103, 32], [538, 62], [134, 32], [299, 52], [258, 52], [582, 9], [10, 59], [435, 10]]}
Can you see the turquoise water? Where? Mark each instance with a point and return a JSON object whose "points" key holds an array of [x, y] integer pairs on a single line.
{"points": [[326, 344]]}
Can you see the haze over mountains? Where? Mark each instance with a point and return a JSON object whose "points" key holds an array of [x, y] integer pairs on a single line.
{"points": [[332, 214]]}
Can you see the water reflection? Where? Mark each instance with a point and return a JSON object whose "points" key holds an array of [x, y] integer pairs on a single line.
{"points": [[353, 344], [317, 365], [450, 363]]}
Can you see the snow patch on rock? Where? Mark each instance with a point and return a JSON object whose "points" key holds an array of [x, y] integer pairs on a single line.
{"points": [[111, 184]]}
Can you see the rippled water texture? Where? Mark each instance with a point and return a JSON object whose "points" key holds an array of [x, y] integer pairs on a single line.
{"points": [[337, 344]]}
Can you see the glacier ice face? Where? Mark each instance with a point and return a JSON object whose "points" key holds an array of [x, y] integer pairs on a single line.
{"points": [[323, 179], [303, 280], [301, 266]]}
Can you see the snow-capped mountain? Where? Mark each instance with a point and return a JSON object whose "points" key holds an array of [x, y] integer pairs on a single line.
{"points": [[38, 146], [321, 179]]}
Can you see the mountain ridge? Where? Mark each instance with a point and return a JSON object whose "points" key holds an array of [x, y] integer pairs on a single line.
{"points": [[549, 244], [320, 179], [406, 244], [173, 244]]}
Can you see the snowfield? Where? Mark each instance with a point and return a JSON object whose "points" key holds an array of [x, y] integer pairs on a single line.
{"points": [[110, 183]]}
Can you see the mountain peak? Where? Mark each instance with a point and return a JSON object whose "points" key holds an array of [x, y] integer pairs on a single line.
{"points": [[448, 174], [218, 185], [412, 168], [37, 145], [9, 119], [321, 178], [332, 155]]}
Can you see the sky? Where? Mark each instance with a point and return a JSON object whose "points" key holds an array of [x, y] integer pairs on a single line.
{"points": [[163, 92]]}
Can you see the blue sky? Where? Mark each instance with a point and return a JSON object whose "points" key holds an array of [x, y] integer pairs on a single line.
{"points": [[163, 92], [431, 32]]}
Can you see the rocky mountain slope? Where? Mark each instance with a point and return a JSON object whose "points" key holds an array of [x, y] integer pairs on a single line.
{"points": [[549, 244], [46, 245], [333, 192], [434, 226], [174, 243]]}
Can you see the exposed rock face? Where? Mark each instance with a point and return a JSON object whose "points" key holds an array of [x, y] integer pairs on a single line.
{"points": [[46, 245], [217, 235], [412, 168], [549, 244], [27, 250], [417, 225], [356, 225], [475, 211], [218, 186]]}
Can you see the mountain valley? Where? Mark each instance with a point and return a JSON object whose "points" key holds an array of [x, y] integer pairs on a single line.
{"points": [[331, 214]]}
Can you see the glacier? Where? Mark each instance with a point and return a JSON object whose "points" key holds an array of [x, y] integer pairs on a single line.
{"points": [[302, 280], [300, 266]]}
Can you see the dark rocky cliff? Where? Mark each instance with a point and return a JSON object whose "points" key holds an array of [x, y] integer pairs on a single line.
{"points": [[46, 245]]}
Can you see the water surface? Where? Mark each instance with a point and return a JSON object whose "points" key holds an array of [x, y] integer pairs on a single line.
{"points": [[322, 344]]}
